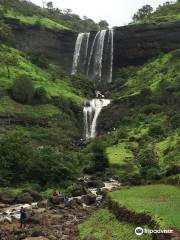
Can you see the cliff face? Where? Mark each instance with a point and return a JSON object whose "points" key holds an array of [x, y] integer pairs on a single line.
{"points": [[133, 45], [57, 46]]}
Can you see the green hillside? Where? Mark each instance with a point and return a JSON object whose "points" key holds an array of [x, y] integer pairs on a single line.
{"points": [[165, 13], [49, 16]]}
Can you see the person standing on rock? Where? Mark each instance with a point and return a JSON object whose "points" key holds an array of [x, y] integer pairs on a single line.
{"points": [[22, 218]]}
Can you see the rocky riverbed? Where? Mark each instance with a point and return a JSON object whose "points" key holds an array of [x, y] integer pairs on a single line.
{"points": [[50, 219]]}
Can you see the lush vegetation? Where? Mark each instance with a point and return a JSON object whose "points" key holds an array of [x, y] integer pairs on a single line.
{"points": [[104, 226], [160, 201], [167, 12], [48, 16]]}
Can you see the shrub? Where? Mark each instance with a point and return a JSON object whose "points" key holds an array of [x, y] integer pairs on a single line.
{"points": [[147, 160], [16, 154], [23, 89], [156, 130], [151, 108], [175, 120], [99, 156], [153, 174], [41, 94], [38, 59]]}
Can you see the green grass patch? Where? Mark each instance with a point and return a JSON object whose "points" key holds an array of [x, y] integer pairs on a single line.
{"points": [[104, 226], [41, 77], [8, 106], [160, 201], [117, 154]]}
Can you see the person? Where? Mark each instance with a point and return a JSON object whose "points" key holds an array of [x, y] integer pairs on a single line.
{"points": [[22, 217]]}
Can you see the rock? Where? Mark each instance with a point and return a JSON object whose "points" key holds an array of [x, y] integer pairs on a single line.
{"points": [[44, 204], [7, 198], [34, 218], [94, 184], [89, 199], [24, 198], [74, 203], [37, 232], [2, 205], [36, 238], [54, 200], [34, 194]]}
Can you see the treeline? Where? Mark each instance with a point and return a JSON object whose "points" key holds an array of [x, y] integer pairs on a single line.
{"points": [[65, 17], [168, 11]]}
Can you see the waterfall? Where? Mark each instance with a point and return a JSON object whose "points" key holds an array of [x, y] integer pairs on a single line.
{"points": [[93, 55], [79, 52], [111, 47], [91, 112]]}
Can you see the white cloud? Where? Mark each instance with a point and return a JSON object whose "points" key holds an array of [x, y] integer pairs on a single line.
{"points": [[116, 12]]}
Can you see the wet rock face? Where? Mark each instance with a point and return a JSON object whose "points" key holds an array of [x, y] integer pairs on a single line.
{"points": [[135, 44], [57, 46]]}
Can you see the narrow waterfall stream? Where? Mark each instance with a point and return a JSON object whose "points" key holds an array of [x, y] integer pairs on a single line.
{"points": [[91, 112]]}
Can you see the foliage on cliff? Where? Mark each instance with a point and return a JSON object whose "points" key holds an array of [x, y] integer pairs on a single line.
{"points": [[167, 12], [143, 120], [48, 16]]}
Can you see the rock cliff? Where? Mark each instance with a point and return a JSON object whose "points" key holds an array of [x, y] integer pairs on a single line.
{"points": [[133, 44]]}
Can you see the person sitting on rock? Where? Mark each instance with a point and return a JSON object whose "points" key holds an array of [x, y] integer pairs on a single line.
{"points": [[22, 217]]}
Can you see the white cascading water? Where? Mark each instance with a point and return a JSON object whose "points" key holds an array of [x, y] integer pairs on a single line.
{"points": [[89, 55], [111, 44], [89, 59], [91, 112], [78, 49]]}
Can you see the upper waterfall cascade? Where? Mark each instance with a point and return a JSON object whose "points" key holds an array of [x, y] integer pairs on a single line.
{"points": [[91, 112], [93, 55]]}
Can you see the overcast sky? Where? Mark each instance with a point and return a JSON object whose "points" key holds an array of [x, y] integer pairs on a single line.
{"points": [[116, 12]]}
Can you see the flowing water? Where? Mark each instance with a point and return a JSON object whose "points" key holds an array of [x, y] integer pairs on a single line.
{"points": [[91, 111], [93, 55]]}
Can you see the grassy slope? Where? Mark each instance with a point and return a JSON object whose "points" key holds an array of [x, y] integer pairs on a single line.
{"points": [[163, 68], [41, 77], [157, 74], [161, 201], [104, 226], [43, 21]]}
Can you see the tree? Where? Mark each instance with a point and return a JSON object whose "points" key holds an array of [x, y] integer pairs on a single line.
{"points": [[143, 12], [16, 154], [99, 156], [8, 60], [50, 6], [23, 89], [103, 25]]}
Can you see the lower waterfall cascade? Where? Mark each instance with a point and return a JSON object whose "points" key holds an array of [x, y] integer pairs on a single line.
{"points": [[91, 112]]}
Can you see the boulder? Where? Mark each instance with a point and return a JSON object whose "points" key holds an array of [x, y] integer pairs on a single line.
{"points": [[34, 194], [54, 200], [94, 184], [7, 198], [44, 204], [24, 198], [89, 199], [37, 232]]}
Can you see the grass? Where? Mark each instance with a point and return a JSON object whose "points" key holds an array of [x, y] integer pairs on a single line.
{"points": [[157, 74], [160, 201], [104, 226], [35, 20], [117, 154], [41, 77], [8, 106]]}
